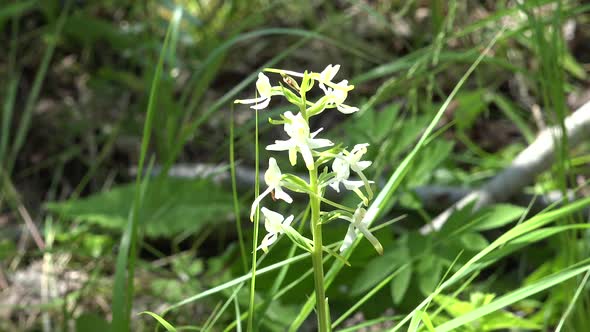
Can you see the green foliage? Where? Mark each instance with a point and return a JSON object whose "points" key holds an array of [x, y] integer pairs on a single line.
{"points": [[79, 75], [499, 320], [89, 322], [170, 207]]}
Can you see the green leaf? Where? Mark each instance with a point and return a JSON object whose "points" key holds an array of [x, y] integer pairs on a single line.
{"points": [[499, 320], [375, 271], [160, 320], [89, 322], [470, 105], [171, 206], [429, 271], [473, 241], [400, 284], [496, 216], [515, 296]]}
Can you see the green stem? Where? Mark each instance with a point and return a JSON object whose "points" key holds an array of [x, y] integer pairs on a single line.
{"points": [[316, 257]]}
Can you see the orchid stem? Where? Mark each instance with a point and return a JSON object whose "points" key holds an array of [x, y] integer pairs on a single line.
{"points": [[318, 267]]}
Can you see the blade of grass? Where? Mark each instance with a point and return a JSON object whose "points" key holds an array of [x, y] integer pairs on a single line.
{"points": [[522, 229], [25, 121], [251, 307], [581, 286], [515, 296], [7, 113], [125, 265]]}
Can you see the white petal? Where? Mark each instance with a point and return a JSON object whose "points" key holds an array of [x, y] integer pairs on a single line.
{"points": [[317, 143], [292, 73], [293, 156], [307, 157], [272, 216], [262, 105], [361, 165], [348, 238], [281, 194], [335, 185], [345, 109], [250, 101], [316, 132], [281, 145], [263, 85], [272, 220], [359, 147], [341, 168], [257, 201], [288, 221], [352, 185], [269, 239], [273, 174]]}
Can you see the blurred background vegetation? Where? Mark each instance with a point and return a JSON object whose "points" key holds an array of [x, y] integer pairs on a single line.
{"points": [[78, 78]]}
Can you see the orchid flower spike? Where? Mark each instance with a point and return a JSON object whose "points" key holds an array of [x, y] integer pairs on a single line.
{"points": [[265, 90], [359, 223], [300, 140], [273, 179], [274, 223]]}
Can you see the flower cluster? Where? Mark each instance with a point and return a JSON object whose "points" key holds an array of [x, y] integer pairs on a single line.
{"points": [[315, 152]]}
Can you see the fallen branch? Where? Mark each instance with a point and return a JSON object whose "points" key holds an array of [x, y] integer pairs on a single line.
{"points": [[531, 162]]}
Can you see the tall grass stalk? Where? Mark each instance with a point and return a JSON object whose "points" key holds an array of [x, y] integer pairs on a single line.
{"points": [[123, 289], [251, 308]]}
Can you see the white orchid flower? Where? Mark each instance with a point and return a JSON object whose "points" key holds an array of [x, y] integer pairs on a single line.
{"points": [[327, 75], [344, 162], [360, 224], [265, 90], [273, 222], [273, 179], [338, 96], [300, 140]]}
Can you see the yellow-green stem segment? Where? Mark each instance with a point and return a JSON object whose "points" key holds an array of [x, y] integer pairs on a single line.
{"points": [[318, 267]]}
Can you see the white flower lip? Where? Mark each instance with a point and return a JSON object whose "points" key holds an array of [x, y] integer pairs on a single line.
{"points": [[273, 179], [300, 140], [273, 223]]}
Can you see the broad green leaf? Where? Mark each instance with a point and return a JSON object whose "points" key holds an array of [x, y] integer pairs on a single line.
{"points": [[400, 284], [375, 271], [473, 241], [496, 216], [171, 206], [429, 271], [470, 105]]}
